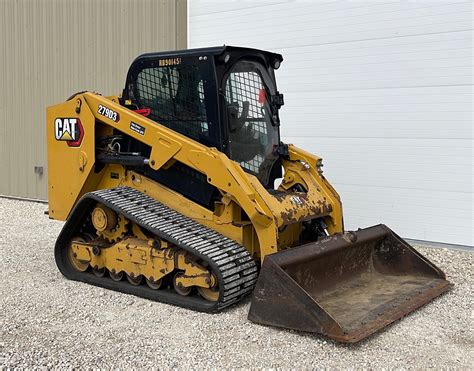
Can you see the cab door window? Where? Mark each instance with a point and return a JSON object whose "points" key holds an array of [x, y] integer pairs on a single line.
{"points": [[175, 95]]}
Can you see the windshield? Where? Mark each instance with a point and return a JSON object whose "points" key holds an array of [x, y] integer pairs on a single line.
{"points": [[252, 132]]}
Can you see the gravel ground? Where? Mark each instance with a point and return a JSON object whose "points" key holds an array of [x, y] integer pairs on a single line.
{"points": [[46, 320]]}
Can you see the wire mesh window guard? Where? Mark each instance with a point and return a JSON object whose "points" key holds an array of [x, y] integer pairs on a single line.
{"points": [[249, 139], [175, 95]]}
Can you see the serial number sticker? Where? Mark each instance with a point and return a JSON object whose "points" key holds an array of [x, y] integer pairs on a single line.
{"points": [[169, 62], [137, 128], [109, 113]]}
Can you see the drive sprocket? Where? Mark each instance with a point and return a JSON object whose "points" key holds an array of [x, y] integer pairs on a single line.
{"points": [[108, 224]]}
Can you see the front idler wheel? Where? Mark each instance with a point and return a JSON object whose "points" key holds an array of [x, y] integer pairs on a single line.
{"points": [[210, 294], [78, 265]]}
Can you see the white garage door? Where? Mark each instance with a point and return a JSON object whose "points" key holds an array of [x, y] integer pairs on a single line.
{"points": [[381, 90]]}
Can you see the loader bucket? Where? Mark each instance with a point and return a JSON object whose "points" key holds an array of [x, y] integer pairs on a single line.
{"points": [[347, 286]]}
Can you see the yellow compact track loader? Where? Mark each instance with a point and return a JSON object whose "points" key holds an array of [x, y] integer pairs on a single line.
{"points": [[181, 191]]}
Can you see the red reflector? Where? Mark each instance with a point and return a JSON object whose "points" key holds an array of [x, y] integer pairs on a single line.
{"points": [[262, 96], [143, 111]]}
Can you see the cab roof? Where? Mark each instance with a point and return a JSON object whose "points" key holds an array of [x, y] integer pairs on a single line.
{"points": [[214, 50]]}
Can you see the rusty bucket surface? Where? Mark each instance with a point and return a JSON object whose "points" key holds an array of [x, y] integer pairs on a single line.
{"points": [[347, 286]]}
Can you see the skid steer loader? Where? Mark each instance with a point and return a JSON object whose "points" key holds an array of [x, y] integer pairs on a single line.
{"points": [[168, 192]]}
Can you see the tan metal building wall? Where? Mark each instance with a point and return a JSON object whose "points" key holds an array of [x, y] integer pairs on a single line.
{"points": [[51, 49]]}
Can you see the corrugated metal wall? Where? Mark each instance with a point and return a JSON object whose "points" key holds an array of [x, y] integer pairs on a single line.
{"points": [[52, 49]]}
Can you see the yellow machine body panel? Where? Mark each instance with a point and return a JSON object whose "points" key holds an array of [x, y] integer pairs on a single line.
{"points": [[240, 190]]}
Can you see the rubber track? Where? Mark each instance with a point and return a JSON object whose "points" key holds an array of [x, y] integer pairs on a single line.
{"points": [[235, 269]]}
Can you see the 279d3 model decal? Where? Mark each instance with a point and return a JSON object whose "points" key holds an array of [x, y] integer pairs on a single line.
{"points": [[109, 113]]}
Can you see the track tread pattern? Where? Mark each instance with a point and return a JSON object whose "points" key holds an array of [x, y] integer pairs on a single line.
{"points": [[235, 269]]}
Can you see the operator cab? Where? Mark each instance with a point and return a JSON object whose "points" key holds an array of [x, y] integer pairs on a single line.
{"points": [[224, 97]]}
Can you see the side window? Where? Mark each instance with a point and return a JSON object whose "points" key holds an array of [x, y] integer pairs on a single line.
{"points": [[175, 95], [250, 130]]}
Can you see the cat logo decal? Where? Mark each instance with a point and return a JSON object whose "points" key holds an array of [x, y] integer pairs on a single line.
{"points": [[69, 130]]}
